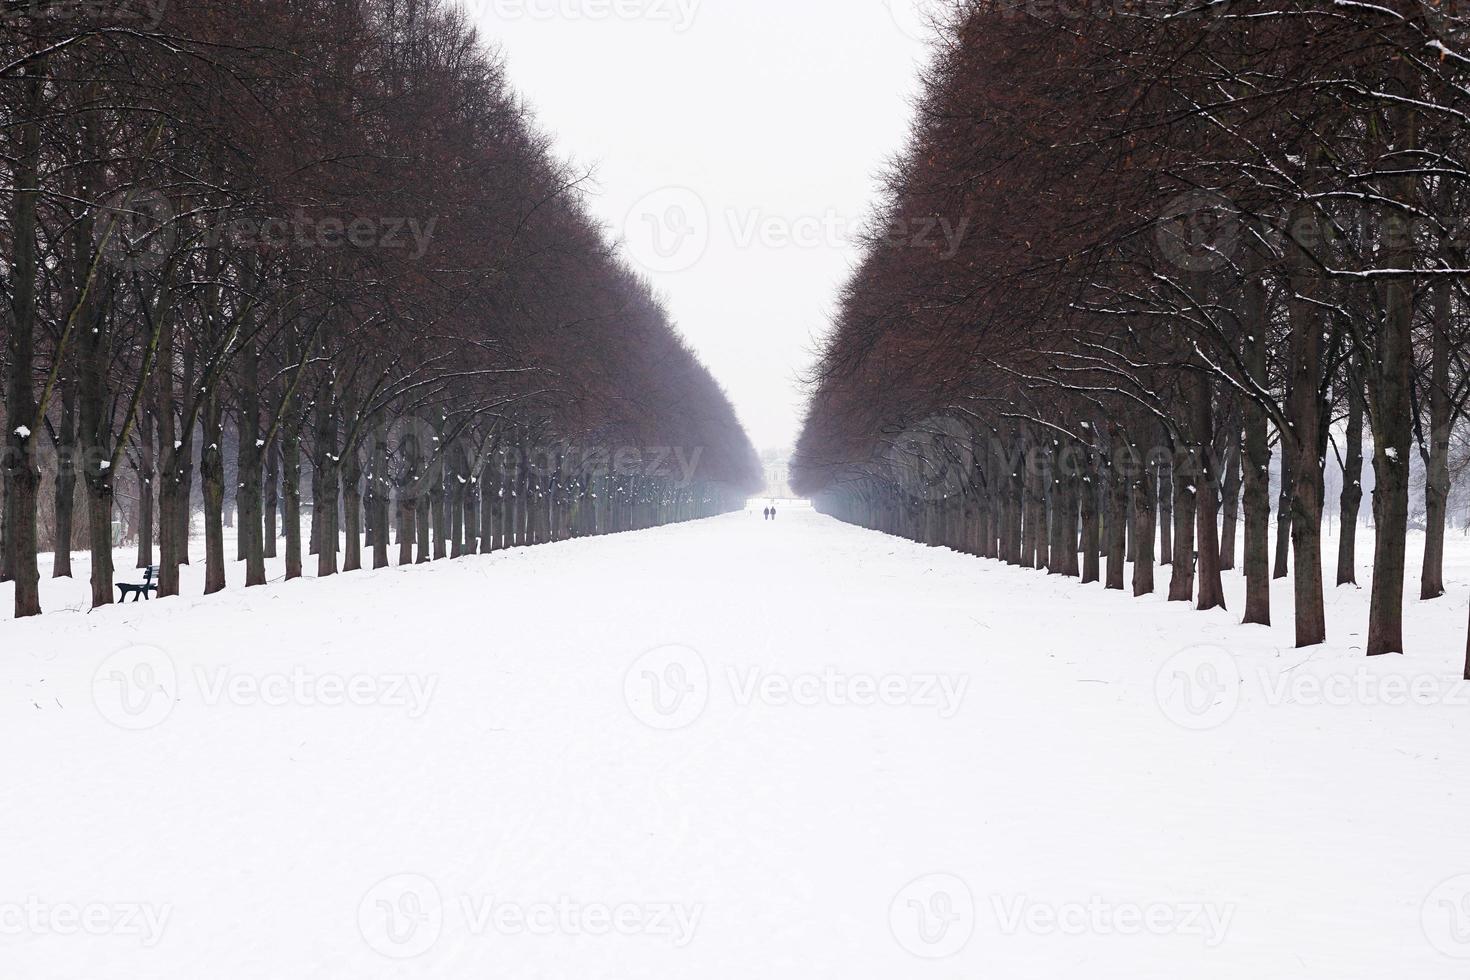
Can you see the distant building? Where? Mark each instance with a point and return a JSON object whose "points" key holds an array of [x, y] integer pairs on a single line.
{"points": [[777, 466]]}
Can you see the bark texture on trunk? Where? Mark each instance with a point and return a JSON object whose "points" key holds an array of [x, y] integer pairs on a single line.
{"points": [[1165, 497], [1145, 495], [65, 486], [1283, 515], [1230, 501], [1185, 492], [1117, 515], [1351, 500], [291, 498], [1304, 441], [23, 475], [1256, 474], [212, 481], [272, 503], [1437, 453], [1392, 442], [147, 479], [250, 503]]}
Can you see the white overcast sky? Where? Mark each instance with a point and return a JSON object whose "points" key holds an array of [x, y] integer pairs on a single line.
{"points": [[735, 145]]}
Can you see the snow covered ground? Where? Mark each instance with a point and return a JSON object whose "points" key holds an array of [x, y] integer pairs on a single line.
{"points": [[729, 749]]}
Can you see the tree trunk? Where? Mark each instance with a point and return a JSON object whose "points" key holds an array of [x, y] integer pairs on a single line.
{"points": [[1033, 509], [170, 453], [65, 488], [1206, 533], [1091, 488], [1145, 494], [147, 479], [1117, 517], [1256, 468], [212, 480], [351, 471], [321, 409], [183, 512], [406, 519], [94, 358], [251, 531], [1437, 456], [1056, 499], [1186, 494], [1283, 514], [1392, 442], [1230, 501], [269, 531], [1015, 504], [457, 487], [1352, 481], [471, 519], [5, 517], [380, 491], [23, 475], [326, 486], [1166, 498], [1467, 660], [424, 510], [1305, 441], [291, 497]]}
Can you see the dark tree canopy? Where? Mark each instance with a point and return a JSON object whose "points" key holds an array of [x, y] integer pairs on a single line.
{"points": [[1195, 235], [239, 233]]}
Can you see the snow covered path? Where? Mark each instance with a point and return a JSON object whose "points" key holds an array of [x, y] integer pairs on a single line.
{"points": [[726, 749]]}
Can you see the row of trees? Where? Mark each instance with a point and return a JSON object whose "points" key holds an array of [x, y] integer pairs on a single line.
{"points": [[326, 235], [1202, 240]]}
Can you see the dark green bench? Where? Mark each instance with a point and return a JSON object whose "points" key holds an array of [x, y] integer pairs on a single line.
{"points": [[150, 584]]}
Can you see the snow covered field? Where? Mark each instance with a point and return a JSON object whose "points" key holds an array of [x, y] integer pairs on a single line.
{"points": [[729, 749]]}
